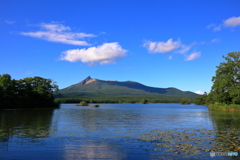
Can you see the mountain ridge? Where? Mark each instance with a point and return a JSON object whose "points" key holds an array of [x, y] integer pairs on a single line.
{"points": [[90, 86]]}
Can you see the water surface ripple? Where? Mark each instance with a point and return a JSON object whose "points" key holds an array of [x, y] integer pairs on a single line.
{"points": [[114, 131]]}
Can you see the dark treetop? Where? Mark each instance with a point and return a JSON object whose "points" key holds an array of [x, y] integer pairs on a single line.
{"points": [[29, 92]]}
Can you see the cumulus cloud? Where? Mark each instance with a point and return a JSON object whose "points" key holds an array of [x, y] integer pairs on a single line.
{"points": [[193, 56], [162, 47], [168, 46], [199, 92], [107, 53], [232, 22], [177, 46], [59, 33]]}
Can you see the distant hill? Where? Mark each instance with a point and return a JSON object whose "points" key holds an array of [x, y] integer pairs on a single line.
{"points": [[90, 87]]}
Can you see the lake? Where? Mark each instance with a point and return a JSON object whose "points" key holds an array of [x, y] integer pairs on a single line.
{"points": [[118, 131]]}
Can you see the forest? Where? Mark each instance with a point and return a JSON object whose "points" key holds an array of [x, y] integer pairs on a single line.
{"points": [[36, 92]]}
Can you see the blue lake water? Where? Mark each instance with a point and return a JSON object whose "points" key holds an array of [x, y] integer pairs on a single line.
{"points": [[112, 131]]}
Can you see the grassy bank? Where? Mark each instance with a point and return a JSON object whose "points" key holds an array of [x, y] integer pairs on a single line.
{"points": [[224, 107]]}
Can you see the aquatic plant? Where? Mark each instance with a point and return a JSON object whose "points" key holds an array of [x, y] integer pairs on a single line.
{"points": [[194, 141]]}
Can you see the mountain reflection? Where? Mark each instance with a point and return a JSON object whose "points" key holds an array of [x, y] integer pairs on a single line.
{"points": [[92, 151], [81, 119]]}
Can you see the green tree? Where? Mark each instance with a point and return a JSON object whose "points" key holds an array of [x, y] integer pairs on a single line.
{"points": [[36, 92], [144, 101], [185, 100], [201, 100], [82, 103], [7, 94], [226, 82]]}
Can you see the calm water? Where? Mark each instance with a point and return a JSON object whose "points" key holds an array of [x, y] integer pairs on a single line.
{"points": [[112, 131]]}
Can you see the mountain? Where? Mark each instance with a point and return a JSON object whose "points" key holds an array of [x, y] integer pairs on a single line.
{"points": [[90, 87]]}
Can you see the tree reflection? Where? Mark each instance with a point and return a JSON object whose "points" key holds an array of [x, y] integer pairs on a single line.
{"points": [[31, 125], [227, 126]]}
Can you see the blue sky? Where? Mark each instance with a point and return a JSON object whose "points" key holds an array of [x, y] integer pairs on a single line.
{"points": [[159, 43]]}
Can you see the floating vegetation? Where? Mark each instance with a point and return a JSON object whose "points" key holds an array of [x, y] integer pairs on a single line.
{"points": [[193, 141]]}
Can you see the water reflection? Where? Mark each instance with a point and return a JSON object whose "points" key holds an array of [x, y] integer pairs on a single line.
{"points": [[114, 131], [92, 151], [126, 119], [227, 127], [226, 120], [26, 125]]}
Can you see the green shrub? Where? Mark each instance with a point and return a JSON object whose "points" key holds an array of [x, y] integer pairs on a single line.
{"points": [[96, 106], [82, 103], [224, 107], [144, 101], [185, 100], [201, 100]]}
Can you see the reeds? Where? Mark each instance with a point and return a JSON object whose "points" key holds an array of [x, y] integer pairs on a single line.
{"points": [[224, 107]]}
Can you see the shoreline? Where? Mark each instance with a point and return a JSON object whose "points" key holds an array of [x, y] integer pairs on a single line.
{"points": [[224, 107]]}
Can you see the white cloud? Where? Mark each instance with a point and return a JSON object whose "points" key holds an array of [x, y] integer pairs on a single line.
{"points": [[210, 26], [217, 28], [168, 46], [9, 22], [162, 47], [193, 56], [199, 92], [91, 64], [214, 27], [216, 40], [184, 49], [54, 27], [58, 33], [232, 22], [177, 46], [107, 53]]}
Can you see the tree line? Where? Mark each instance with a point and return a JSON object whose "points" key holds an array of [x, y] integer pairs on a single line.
{"points": [[226, 84], [30, 92], [130, 99]]}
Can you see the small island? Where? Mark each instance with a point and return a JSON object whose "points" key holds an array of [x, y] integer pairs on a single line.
{"points": [[96, 106], [82, 103]]}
